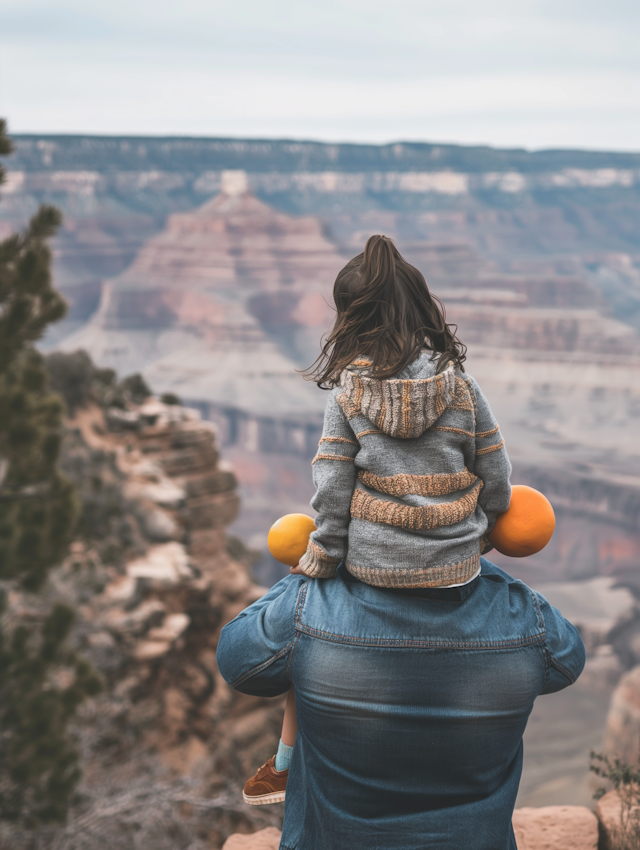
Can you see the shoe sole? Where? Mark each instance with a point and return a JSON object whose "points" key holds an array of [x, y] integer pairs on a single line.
{"points": [[265, 799]]}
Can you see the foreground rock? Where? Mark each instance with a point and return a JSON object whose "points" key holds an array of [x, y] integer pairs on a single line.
{"points": [[619, 823], [549, 828], [556, 828]]}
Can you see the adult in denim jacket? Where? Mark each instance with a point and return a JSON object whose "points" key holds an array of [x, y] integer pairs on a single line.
{"points": [[411, 704]]}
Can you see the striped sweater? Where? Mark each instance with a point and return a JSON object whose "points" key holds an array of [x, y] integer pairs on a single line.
{"points": [[410, 475]]}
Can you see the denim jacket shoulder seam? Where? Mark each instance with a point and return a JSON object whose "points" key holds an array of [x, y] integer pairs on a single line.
{"points": [[545, 658], [536, 600], [302, 596], [294, 646]]}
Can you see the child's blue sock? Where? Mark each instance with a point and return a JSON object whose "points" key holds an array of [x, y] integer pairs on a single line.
{"points": [[283, 756]]}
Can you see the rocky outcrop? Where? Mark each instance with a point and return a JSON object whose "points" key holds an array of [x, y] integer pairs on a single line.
{"points": [[167, 730]]}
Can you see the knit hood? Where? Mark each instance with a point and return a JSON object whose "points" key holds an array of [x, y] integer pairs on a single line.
{"points": [[405, 406]]}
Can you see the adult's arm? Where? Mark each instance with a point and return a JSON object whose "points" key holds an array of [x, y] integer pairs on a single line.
{"points": [[564, 649], [254, 649], [334, 476]]}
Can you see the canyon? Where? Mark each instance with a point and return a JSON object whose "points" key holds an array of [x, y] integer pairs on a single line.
{"points": [[208, 266]]}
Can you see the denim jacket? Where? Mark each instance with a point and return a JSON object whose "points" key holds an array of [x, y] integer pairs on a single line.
{"points": [[410, 710]]}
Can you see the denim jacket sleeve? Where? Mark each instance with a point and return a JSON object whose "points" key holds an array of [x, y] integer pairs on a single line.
{"points": [[564, 649], [254, 649]]}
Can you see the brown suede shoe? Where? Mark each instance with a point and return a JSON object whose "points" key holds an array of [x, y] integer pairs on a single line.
{"points": [[267, 786]]}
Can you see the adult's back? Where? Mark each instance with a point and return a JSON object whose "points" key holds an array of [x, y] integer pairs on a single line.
{"points": [[410, 710]]}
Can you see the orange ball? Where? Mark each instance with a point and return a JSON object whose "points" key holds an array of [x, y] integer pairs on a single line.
{"points": [[288, 538], [526, 527]]}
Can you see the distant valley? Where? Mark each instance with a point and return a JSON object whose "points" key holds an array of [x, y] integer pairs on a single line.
{"points": [[207, 265]]}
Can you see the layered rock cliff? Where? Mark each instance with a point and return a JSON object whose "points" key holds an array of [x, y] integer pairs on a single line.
{"points": [[219, 304], [167, 747]]}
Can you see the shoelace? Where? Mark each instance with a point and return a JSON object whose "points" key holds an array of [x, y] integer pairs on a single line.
{"points": [[262, 770]]}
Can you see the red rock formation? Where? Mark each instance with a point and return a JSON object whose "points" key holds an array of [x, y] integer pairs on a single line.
{"points": [[211, 270]]}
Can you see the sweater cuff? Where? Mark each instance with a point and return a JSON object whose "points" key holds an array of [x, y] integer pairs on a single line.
{"points": [[315, 563]]}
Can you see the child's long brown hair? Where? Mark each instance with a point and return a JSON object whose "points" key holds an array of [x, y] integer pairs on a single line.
{"points": [[386, 313]]}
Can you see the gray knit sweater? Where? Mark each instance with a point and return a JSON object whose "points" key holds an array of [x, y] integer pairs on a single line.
{"points": [[411, 473]]}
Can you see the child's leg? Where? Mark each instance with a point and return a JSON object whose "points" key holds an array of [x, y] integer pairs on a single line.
{"points": [[290, 722], [269, 785], [289, 732]]}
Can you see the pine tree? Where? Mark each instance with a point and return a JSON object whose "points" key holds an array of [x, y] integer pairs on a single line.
{"points": [[42, 681]]}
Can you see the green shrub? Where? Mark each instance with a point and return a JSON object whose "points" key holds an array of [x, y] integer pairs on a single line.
{"points": [[42, 681]]}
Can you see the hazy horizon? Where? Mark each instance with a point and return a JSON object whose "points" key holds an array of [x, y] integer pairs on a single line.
{"points": [[311, 140]]}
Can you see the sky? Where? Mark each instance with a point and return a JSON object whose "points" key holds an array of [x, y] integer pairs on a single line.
{"points": [[544, 74]]}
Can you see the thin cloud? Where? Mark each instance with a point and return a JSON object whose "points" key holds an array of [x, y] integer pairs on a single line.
{"points": [[531, 74]]}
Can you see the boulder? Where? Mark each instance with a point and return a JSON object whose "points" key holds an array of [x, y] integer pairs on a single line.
{"points": [[556, 828]]}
